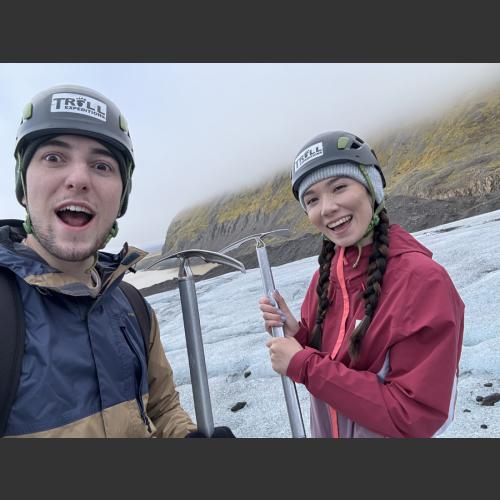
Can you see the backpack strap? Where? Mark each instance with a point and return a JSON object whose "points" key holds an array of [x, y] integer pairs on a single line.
{"points": [[12, 335], [141, 311]]}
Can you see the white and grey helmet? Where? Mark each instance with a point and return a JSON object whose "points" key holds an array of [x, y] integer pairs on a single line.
{"points": [[335, 148]]}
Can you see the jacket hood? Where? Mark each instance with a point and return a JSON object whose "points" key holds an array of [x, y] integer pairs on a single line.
{"points": [[400, 242]]}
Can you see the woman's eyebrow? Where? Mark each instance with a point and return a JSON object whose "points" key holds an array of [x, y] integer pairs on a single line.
{"points": [[331, 181], [308, 192]]}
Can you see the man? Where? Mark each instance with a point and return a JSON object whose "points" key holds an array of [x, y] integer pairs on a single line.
{"points": [[86, 370]]}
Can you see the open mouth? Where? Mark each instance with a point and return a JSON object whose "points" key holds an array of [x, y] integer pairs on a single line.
{"points": [[340, 224], [75, 215]]}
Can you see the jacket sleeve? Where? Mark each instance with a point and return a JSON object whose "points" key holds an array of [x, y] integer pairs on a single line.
{"points": [[414, 398], [163, 406]]}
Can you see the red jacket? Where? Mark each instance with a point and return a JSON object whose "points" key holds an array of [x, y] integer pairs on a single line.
{"points": [[403, 383]]}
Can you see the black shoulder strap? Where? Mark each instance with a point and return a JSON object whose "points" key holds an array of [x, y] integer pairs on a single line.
{"points": [[12, 333], [141, 310]]}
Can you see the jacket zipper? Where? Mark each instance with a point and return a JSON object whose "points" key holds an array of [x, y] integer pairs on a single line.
{"points": [[340, 338], [138, 396]]}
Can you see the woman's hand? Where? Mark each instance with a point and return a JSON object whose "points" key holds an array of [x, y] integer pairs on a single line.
{"points": [[280, 316], [281, 351]]}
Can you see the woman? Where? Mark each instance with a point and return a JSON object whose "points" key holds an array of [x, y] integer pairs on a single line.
{"points": [[380, 335]]}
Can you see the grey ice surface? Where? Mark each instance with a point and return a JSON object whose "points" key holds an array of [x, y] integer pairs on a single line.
{"points": [[234, 337]]}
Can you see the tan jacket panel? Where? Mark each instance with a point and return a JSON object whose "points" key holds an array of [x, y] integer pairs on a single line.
{"points": [[163, 406]]}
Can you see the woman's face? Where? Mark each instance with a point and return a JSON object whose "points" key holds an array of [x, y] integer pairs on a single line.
{"points": [[341, 209]]}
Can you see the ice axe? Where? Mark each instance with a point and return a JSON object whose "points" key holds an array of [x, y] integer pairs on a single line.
{"points": [[192, 330], [289, 388]]}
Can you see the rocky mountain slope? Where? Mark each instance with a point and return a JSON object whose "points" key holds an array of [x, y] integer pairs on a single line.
{"points": [[437, 171]]}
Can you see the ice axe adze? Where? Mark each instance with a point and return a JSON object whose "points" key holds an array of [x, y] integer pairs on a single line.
{"points": [[192, 330], [291, 396]]}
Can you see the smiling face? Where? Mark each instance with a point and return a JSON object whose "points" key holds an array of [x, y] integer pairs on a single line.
{"points": [[73, 196], [341, 209]]}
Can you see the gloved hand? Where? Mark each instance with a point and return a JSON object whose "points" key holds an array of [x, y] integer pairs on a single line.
{"points": [[219, 432]]}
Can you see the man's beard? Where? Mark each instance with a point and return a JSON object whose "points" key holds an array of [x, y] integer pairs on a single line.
{"points": [[47, 240]]}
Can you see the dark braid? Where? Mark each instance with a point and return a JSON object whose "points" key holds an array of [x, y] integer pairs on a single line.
{"points": [[376, 270], [325, 262]]}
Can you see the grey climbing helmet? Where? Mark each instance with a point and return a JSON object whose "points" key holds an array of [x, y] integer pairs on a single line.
{"points": [[73, 109], [330, 148]]}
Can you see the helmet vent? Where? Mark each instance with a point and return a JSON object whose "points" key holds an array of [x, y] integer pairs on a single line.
{"points": [[354, 145], [359, 140]]}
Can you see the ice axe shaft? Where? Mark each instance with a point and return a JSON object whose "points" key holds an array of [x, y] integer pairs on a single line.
{"points": [[289, 388], [196, 353], [192, 330]]}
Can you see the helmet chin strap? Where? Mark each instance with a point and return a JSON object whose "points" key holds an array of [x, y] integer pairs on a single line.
{"points": [[27, 221], [374, 221], [114, 228], [112, 233], [27, 224]]}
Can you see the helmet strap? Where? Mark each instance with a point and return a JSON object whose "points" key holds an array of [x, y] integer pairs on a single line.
{"points": [[92, 266], [368, 181], [375, 217], [21, 173], [125, 190], [112, 233], [360, 248], [27, 224]]}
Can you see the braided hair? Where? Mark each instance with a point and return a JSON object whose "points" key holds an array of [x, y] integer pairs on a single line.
{"points": [[325, 261], [376, 269]]}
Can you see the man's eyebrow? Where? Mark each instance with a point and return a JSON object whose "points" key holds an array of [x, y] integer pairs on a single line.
{"points": [[102, 151], [62, 144], [55, 142]]}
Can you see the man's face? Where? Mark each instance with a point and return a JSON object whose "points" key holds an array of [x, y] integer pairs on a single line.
{"points": [[73, 188]]}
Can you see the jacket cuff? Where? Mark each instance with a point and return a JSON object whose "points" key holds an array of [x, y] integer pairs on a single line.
{"points": [[302, 335], [297, 366]]}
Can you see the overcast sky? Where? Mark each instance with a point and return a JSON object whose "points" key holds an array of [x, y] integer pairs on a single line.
{"points": [[201, 130]]}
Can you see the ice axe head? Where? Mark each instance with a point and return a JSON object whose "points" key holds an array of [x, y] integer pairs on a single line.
{"points": [[258, 238], [206, 255]]}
